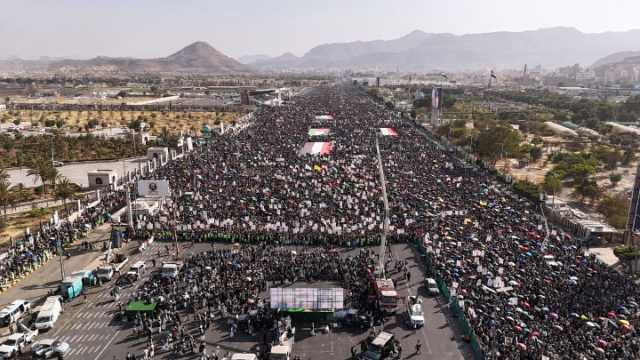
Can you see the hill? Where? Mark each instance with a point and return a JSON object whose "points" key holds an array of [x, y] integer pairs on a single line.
{"points": [[420, 51], [615, 58], [198, 57]]}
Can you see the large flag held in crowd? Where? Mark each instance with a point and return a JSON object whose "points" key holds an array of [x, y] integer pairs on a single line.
{"points": [[388, 132], [316, 148], [324, 117], [319, 132]]}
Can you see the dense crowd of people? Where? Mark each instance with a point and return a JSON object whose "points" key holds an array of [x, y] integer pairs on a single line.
{"points": [[525, 293], [228, 288], [37, 246]]}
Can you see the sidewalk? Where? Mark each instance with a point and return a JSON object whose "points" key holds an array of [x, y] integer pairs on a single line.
{"points": [[46, 279]]}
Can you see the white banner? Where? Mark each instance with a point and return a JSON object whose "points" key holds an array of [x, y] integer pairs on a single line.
{"points": [[153, 188]]}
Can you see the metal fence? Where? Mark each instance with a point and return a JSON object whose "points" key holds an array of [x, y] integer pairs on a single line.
{"points": [[478, 352]]}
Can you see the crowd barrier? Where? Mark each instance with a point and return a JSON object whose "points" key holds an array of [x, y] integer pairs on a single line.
{"points": [[458, 312]]}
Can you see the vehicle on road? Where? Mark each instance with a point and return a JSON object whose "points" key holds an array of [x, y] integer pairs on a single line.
{"points": [[49, 348], [49, 313], [105, 273], [431, 286], [283, 349], [415, 314], [71, 287], [380, 347], [138, 268], [244, 356], [384, 292], [87, 276], [12, 345], [56, 163], [14, 311], [352, 318], [170, 269], [140, 308]]}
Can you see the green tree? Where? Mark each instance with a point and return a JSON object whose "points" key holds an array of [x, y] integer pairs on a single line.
{"points": [[552, 184], [615, 179], [44, 171], [615, 209], [5, 194], [496, 142], [535, 153], [587, 188], [65, 190]]}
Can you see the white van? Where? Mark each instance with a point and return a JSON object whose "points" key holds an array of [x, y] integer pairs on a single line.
{"points": [[138, 268], [49, 313], [14, 311]]}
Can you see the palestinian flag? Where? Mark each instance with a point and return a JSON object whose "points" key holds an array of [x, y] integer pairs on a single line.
{"points": [[316, 148], [388, 132], [319, 132]]}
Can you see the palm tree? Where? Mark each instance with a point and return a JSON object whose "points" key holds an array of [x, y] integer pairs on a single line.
{"points": [[65, 191], [5, 194], [42, 170]]}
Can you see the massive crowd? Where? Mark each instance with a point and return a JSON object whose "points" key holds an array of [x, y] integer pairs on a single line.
{"points": [[525, 293], [36, 247], [228, 288]]}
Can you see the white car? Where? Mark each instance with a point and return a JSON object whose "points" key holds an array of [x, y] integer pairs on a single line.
{"points": [[105, 273], [431, 286], [12, 345], [414, 311], [49, 348]]}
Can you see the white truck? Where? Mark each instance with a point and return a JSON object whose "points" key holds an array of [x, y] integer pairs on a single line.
{"points": [[415, 314], [283, 349], [170, 269]]}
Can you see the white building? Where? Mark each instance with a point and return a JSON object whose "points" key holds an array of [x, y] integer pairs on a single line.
{"points": [[103, 178]]}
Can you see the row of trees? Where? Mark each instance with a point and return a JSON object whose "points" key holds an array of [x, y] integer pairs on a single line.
{"points": [[63, 189], [21, 151], [587, 112]]}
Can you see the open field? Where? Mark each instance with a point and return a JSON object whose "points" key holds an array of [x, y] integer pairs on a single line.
{"points": [[174, 122]]}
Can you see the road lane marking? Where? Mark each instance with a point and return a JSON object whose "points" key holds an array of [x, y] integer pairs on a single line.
{"points": [[107, 344]]}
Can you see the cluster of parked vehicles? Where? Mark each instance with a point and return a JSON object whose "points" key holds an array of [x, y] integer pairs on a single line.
{"points": [[16, 314], [44, 317]]}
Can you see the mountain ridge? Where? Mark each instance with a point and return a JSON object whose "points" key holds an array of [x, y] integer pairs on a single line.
{"points": [[420, 51], [197, 57]]}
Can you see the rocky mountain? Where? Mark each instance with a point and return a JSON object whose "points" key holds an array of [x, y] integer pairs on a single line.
{"points": [[250, 59], [198, 57], [419, 51], [615, 58]]}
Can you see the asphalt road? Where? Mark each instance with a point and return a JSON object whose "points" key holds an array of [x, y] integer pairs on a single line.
{"points": [[89, 325]]}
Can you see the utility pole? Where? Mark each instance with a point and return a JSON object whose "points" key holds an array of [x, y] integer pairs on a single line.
{"points": [[385, 228], [61, 259]]}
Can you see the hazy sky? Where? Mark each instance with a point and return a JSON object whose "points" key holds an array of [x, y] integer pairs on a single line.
{"points": [[155, 28]]}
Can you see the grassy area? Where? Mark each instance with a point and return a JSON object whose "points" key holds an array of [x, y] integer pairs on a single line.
{"points": [[174, 122], [17, 223]]}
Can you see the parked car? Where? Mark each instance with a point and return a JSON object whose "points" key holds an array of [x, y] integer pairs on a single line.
{"points": [[14, 344], [14, 311], [431, 286], [49, 348], [105, 273]]}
